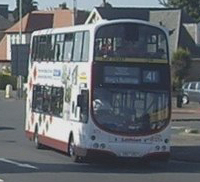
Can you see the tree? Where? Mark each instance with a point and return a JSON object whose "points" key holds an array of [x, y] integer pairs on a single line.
{"points": [[190, 6], [27, 7], [181, 63]]}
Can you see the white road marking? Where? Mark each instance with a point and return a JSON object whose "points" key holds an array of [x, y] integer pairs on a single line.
{"points": [[1, 180], [177, 127], [17, 164]]}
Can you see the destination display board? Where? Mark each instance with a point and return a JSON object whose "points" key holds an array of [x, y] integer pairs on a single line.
{"points": [[130, 75]]}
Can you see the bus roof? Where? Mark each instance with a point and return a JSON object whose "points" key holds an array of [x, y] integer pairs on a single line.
{"points": [[92, 26]]}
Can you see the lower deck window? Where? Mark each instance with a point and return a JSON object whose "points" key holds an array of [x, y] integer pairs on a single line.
{"points": [[48, 100]]}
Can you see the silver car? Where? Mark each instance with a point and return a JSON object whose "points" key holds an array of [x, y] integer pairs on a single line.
{"points": [[191, 92]]}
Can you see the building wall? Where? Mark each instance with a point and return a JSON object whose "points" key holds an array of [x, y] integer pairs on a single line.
{"points": [[170, 20], [192, 30], [3, 48], [198, 34]]}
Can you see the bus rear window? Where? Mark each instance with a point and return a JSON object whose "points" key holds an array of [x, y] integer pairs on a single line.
{"points": [[127, 41]]}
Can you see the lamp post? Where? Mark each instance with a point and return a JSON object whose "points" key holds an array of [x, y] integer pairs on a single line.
{"points": [[74, 12], [20, 19], [20, 78]]}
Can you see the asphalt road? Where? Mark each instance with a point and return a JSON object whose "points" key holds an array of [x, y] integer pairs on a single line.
{"points": [[21, 162]]}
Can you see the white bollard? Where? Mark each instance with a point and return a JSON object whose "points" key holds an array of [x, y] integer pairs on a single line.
{"points": [[8, 91]]}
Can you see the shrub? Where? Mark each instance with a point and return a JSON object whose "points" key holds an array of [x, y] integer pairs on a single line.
{"points": [[7, 79], [181, 62]]}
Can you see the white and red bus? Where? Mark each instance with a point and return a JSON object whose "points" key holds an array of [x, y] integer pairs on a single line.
{"points": [[102, 88]]}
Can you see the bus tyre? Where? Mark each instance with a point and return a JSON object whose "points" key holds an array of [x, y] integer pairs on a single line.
{"points": [[72, 152], [38, 145]]}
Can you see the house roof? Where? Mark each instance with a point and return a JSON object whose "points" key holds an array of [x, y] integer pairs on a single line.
{"points": [[117, 13], [4, 23], [171, 18], [140, 13], [81, 17], [32, 21], [62, 18], [47, 19], [4, 10]]}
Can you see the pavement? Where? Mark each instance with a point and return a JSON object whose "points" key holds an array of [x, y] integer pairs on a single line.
{"points": [[188, 112], [185, 138]]}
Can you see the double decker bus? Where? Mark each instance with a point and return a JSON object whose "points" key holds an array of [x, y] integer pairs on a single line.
{"points": [[101, 89]]}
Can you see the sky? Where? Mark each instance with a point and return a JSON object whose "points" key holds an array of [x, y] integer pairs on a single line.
{"points": [[87, 4]]}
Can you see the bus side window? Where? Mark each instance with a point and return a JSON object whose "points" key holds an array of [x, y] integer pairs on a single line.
{"points": [[52, 48], [59, 47], [34, 48], [46, 99], [68, 46], [42, 47], [85, 48], [49, 48], [57, 101], [57, 52], [83, 103], [77, 51], [37, 98]]}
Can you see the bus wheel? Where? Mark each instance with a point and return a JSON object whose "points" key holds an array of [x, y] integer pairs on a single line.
{"points": [[38, 145], [72, 152]]}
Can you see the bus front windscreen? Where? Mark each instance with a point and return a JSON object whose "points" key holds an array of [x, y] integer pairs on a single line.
{"points": [[130, 111], [130, 42]]}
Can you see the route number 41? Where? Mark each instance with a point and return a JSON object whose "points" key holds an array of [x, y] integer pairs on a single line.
{"points": [[150, 76]]}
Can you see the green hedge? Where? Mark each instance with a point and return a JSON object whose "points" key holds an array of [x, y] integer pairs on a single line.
{"points": [[6, 79]]}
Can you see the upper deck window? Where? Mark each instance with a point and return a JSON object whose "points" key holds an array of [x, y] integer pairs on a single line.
{"points": [[126, 41], [72, 46]]}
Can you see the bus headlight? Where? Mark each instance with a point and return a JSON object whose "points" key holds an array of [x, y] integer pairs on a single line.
{"points": [[96, 145], [93, 137], [164, 147], [102, 145], [166, 140], [157, 147]]}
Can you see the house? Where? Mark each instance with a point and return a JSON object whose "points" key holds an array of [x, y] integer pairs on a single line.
{"points": [[5, 23], [36, 20], [183, 30]]}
